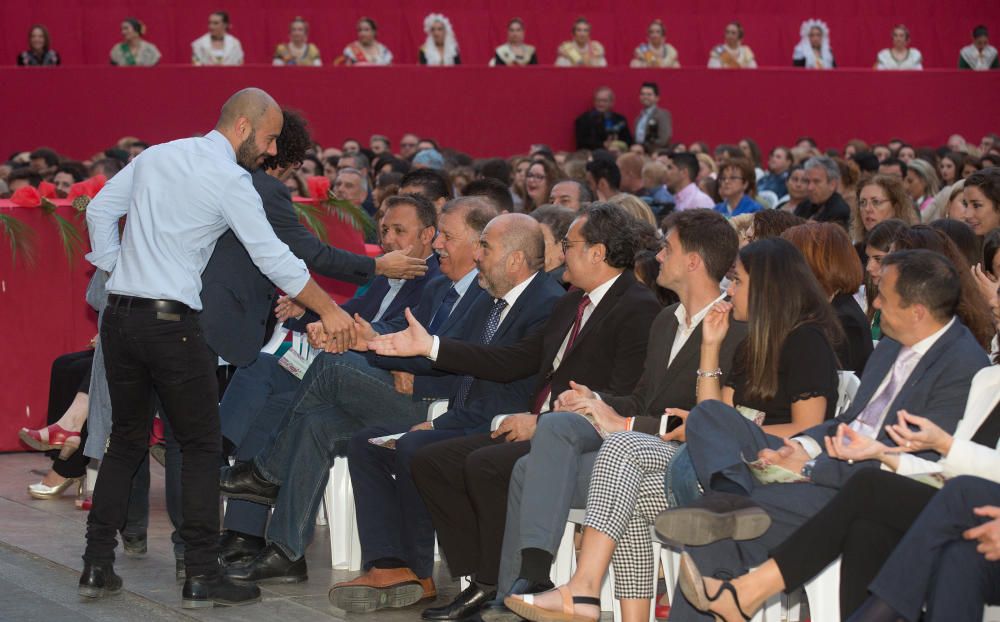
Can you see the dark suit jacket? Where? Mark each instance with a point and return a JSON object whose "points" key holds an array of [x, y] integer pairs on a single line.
{"points": [[835, 210], [367, 304], [937, 389], [662, 386], [659, 129], [487, 399], [591, 131], [429, 383], [606, 356], [236, 295]]}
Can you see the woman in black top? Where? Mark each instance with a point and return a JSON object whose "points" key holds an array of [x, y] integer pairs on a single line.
{"points": [[38, 52], [832, 259], [785, 372]]}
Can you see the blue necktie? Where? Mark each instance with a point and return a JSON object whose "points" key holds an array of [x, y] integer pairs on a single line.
{"points": [[492, 324], [443, 310]]}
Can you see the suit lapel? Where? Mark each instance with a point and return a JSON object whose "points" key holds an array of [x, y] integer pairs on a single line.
{"points": [[607, 303], [663, 356], [878, 366], [926, 361], [525, 298], [461, 307]]}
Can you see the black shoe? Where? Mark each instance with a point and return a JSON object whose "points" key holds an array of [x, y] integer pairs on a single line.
{"points": [[465, 604], [716, 516], [496, 611], [241, 481], [180, 572], [239, 548], [271, 565], [99, 580], [134, 546], [209, 591]]}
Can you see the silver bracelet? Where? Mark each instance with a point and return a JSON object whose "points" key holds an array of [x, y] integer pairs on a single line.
{"points": [[715, 373]]}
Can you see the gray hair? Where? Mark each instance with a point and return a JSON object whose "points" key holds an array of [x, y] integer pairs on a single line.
{"points": [[360, 159], [827, 164], [479, 211], [354, 171]]}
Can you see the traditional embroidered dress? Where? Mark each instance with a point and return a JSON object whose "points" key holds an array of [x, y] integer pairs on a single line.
{"points": [[971, 58], [508, 55], [647, 56], [572, 55], [354, 54], [146, 56], [805, 55], [886, 60], [204, 53], [287, 54], [725, 56]]}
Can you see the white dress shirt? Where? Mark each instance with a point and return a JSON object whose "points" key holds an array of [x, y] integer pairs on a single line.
{"points": [[180, 197], [684, 329]]}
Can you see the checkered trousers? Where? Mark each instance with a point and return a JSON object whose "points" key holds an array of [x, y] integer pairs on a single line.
{"points": [[626, 494]]}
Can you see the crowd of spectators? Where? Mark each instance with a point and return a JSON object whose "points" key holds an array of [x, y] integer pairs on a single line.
{"points": [[218, 47], [629, 280]]}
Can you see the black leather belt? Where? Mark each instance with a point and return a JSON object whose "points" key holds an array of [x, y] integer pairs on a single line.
{"points": [[165, 309]]}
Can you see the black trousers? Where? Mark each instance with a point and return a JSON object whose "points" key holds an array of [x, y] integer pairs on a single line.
{"points": [[463, 483], [143, 354], [70, 375], [862, 524]]}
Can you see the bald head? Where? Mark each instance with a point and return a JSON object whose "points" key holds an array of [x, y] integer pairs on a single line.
{"points": [[511, 249], [521, 232], [251, 120]]}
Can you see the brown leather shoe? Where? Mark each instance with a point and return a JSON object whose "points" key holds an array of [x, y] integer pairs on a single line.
{"points": [[430, 591], [380, 588]]}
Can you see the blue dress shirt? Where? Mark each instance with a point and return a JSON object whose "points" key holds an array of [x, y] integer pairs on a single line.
{"points": [[745, 206], [180, 197]]}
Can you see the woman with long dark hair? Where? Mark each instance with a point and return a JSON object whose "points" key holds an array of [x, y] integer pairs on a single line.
{"points": [[784, 377]]}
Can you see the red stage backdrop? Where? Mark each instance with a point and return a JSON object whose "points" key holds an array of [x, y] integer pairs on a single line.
{"points": [[83, 31], [43, 314], [483, 111]]}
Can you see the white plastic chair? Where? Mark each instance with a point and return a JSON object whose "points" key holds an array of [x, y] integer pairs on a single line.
{"points": [[847, 388], [338, 501]]}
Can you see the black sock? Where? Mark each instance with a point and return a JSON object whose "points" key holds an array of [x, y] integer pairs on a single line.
{"points": [[386, 563], [721, 483], [536, 565]]}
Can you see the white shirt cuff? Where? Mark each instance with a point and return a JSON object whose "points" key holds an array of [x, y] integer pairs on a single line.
{"points": [[811, 446], [434, 348]]}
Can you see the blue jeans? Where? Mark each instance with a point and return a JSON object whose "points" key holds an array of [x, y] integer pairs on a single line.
{"points": [[393, 521], [247, 395], [339, 395], [680, 482]]}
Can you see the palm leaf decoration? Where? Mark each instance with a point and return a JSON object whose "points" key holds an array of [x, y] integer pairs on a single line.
{"points": [[21, 238], [347, 212], [72, 241], [310, 215]]}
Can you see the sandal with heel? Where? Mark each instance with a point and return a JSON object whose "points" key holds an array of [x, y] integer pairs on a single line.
{"points": [[524, 606], [693, 587]]}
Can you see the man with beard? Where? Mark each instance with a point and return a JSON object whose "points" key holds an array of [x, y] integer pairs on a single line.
{"points": [[179, 198]]}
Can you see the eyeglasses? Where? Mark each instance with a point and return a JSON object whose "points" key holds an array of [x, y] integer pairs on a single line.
{"points": [[407, 144], [874, 203], [537, 176], [565, 243], [730, 178]]}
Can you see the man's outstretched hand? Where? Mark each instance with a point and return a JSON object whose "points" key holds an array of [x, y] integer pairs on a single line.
{"points": [[414, 341], [399, 265]]}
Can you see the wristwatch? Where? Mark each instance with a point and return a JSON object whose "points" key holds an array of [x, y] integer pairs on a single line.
{"points": [[807, 469]]}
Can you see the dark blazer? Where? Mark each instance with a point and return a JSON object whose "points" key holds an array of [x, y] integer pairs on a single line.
{"points": [[429, 383], [487, 399], [674, 386], [591, 131], [367, 304], [606, 356], [857, 346], [835, 210], [236, 295], [658, 129], [937, 389]]}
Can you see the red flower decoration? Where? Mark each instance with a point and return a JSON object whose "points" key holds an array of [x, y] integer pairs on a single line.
{"points": [[47, 190], [87, 188], [319, 187], [27, 196]]}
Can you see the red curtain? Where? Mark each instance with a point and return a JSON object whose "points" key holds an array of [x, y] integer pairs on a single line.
{"points": [[485, 112], [43, 313], [84, 31]]}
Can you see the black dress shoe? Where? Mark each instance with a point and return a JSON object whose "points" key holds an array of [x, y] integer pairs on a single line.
{"points": [[134, 545], [271, 565], [239, 548], [715, 516], [496, 611], [241, 481], [209, 591], [465, 604], [99, 580]]}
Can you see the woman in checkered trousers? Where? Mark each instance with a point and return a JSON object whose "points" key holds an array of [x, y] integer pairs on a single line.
{"points": [[785, 370]]}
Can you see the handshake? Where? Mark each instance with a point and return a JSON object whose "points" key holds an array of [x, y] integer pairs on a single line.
{"points": [[340, 332]]}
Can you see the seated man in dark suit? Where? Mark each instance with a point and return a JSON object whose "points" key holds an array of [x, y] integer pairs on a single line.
{"points": [[699, 249], [824, 203], [925, 366], [397, 536], [596, 336], [341, 394], [259, 394], [594, 128]]}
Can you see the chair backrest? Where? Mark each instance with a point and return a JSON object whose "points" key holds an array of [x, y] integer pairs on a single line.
{"points": [[847, 387], [300, 343], [277, 338]]}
